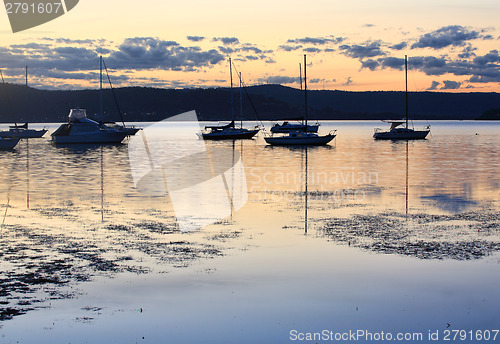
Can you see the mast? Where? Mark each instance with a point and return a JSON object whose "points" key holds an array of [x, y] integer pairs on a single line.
{"points": [[305, 92], [26, 98], [241, 105], [232, 96], [300, 102], [406, 90], [8, 99], [100, 90]]}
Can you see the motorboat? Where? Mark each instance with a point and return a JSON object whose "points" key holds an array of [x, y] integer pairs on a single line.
{"points": [[80, 129]]}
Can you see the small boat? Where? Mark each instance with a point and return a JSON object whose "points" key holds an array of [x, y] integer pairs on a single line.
{"points": [[229, 131], [8, 143], [302, 137], [287, 127], [17, 131], [80, 129], [130, 130], [396, 132], [22, 132]]}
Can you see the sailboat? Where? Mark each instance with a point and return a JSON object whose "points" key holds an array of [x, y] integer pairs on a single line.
{"points": [[229, 131], [80, 129], [295, 124], [301, 137], [397, 131], [17, 131]]}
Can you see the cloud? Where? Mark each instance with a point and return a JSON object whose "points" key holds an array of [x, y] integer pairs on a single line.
{"points": [[226, 40], [371, 64], [275, 79], [434, 86], [289, 47], [226, 50], [453, 35], [451, 85], [348, 82], [195, 38], [312, 50], [467, 52], [152, 53], [399, 46], [369, 49], [252, 49], [317, 40], [491, 57], [481, 69]]}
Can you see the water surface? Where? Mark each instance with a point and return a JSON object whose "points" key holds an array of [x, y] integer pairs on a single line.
{"points": [[359, 234]]}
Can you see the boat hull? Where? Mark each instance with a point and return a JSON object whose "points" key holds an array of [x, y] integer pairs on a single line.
{"points": [[300, 141], [8, 143], [23, 134], [414, 135], [234, 135], [111, 137]]}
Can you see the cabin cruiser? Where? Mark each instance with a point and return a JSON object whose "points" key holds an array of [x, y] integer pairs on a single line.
{"points": [[81, 129]]}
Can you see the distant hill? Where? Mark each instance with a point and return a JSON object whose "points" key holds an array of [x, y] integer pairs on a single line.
{"points": [[272, 102]]}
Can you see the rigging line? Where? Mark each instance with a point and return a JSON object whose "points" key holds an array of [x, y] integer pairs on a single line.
{"points": [[113, 92], [8, 99], [249, 99]]}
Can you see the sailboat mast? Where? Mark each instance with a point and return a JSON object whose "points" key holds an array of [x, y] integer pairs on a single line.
{"points": [[232, 96], [406, 90], [26, 75], [241, 104], [305, 92], [300, 101], [100, 89]]}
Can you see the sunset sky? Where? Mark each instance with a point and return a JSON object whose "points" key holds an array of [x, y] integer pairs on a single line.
{"points": [[355, 45]]}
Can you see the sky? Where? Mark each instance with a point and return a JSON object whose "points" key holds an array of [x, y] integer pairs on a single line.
{"points": [[355, 45]]}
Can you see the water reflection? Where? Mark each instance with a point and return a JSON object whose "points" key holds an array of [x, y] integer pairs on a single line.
{"points": [[71, 214]]}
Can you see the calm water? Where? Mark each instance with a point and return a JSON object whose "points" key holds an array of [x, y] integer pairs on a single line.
{"points": [[358, 235]]}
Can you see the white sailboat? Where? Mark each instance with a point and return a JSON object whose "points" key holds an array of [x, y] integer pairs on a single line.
{"points": [[397, 131], [295, 124], [80, 129], [229, 131], [17, 131], [301, 137]]}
